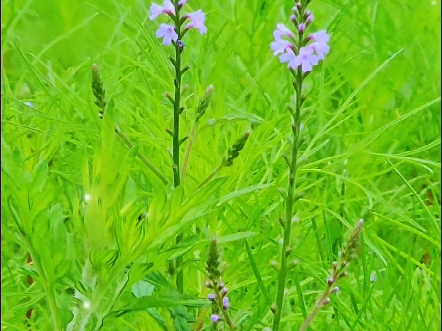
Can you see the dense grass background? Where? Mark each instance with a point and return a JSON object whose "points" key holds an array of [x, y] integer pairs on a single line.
{"points": [[372, 127]]}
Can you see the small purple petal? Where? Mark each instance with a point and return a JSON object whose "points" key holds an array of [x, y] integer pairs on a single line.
{"points": [[211, 297], [197, 20], [321, 49], [281, 31], [156, 10], [226, 303], [320, 36], [215, 318], [290, 58], [168, 33], [279, 46]]}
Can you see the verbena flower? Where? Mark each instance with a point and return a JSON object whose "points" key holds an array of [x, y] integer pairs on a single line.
{"points": [[280, 46], [281, 31], [168, 33], [156, 10], [197, 20], [300, 53]]}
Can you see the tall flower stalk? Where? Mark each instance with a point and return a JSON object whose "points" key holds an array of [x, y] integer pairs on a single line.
{"points": [[300, 53], [172, 34]]}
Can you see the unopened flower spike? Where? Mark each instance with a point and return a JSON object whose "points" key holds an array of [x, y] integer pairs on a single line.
{"points": [[98, 90], [338, 271], [219, 291], [236, 148]]}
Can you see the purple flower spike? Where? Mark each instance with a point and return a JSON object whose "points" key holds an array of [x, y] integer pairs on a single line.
{"points": [[226, 303], [215, 318], [168, 33], [197, 20], [156, 10]]}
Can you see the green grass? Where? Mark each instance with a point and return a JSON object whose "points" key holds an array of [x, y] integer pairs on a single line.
{"points": [[372, 126]]}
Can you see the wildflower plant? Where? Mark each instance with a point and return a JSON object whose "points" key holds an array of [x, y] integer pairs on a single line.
{"points": [[301, 51], [172, 34]]}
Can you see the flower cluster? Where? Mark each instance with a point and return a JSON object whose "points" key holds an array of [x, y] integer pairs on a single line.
{"points": [[170, 33], [218, 296], [300, 51]]}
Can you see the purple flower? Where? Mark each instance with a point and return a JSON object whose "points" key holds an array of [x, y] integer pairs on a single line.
{"points": [[211, 297], [182, 2], [281, 31], [226, 303], [280, 46], [197, 20], [320, 37], [306, 58], [168, 33], [290, 58], [215, 318], [321, 49], [310, 18], [156, 10]]}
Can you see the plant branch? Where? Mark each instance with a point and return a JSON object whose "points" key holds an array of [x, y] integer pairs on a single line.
{"points": [[176, 127], [141, 156], [289, 203], [189, 148]]}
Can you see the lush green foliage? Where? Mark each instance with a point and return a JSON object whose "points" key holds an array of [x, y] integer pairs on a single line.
{"points": [[73, 193]]}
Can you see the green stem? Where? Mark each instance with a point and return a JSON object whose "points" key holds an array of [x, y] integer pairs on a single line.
{"points": [[48, 289], [289, 203], [176, 130], [189, 148], [315, 311], [142, 158]]}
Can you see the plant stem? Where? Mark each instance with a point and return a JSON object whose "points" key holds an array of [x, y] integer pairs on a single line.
{"points": [[315, 311], [189, 148], [47, 288], [176, 129], [289, 203], [142, 158]]}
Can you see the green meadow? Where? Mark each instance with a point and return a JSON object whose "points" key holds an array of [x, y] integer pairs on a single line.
{"points": [[93, 239]]}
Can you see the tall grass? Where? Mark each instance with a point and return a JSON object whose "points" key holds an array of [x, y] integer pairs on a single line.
{"points": [[101, 227]]}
